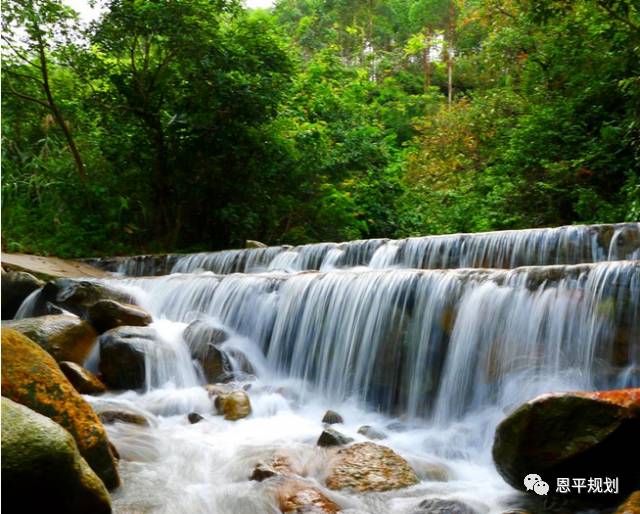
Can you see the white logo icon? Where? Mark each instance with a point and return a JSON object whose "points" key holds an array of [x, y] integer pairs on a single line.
{"points": [[535, 482]]}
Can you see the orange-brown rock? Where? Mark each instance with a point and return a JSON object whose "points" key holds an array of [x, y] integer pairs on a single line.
{"points": [[631, 504], [370, 467], [30, 376], [298, 496]]}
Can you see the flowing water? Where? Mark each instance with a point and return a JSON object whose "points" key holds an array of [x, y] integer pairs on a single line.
{"points": [[432, 357]]}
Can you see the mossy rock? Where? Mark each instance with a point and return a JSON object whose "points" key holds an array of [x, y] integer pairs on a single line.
{"points": [[64, 337], [30, 376], [42, 470], [108, 314]]}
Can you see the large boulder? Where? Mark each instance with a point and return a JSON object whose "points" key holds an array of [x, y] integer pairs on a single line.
{"points": [[572, 435], [108, 314], [76, 296], [203, 337], [16, 286], [370, 467], [31, 377], [42, 470], [122, 350], [82, 379], [331, 437], [64, 337], [233, 406]]}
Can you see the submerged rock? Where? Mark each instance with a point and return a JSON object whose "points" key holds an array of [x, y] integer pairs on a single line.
{"points": [[194, 418], [42, 470], [330, 437], [16, 286], [331, 417], [371, 433], [65, 338], [233, 406], [31, 377], [298, 496], [572, 435], [370, 467], [441, 506], [83, 380], [122, 350], [108, 314], [123, 416], [202, 338]]}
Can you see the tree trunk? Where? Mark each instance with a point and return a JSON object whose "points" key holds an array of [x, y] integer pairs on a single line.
{"points": [[426, 62], [452, 25], [57, 114]]}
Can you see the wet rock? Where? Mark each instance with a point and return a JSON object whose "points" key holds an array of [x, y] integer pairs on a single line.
{"points": [[76, 295], [262, 472], [16, 286], [42, 470], [250, 243], [108, 314], [203, 337], [218, 389], [297, 496], [430, 471], [331, 417], [572, 434], [233, 406], [83, 380], [122, 350], [31, 377], [65, 338], [397, 426], [371, 433], [194, 418], [123, 416], [441, 506], [631, 505], [370, 467], [330, 437]]}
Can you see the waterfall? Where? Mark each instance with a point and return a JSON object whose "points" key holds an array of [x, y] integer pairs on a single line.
{"points": [[428, 339], [508, 249], [418, 341]]}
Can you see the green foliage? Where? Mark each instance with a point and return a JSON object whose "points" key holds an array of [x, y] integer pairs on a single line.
{"points": [[201, 124]]}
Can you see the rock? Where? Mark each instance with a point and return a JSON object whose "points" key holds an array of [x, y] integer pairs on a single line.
{"points": [[83, 380], [108, 314], [330, 437], [122, 351], [218, 389], [262, 472], [65, 338], [297, 496], [441, 506], [369, 467], [279, 466], [572, 435], [250, 243], [194, 418], [31, 377], [233, 406], [76, 296], [16, 286], [371, 433], [202, 338], [42, 470], [111, 416], [426, 470], [397, 426], [631, 505], [332, 417]]}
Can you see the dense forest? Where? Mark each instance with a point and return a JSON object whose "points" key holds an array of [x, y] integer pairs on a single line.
{"points": [[168, 125]]}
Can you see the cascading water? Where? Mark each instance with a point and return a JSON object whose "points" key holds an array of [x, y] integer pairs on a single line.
{"points": [[445, 351], [506, 249]]}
